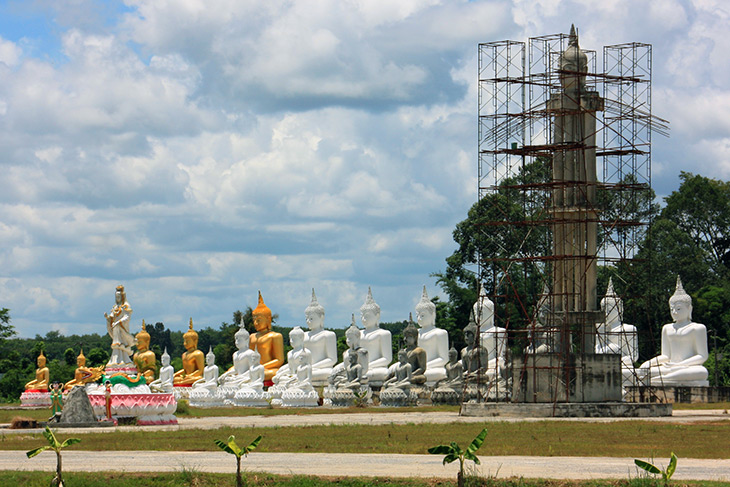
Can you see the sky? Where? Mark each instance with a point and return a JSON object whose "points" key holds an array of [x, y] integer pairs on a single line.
{"points": [[197, 152]]}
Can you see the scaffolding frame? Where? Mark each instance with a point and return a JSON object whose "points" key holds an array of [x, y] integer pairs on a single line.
{"points": [[525, 275]]}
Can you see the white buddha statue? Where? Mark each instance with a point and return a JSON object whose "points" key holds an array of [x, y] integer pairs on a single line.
{"points": [[299, 391], [252, 393], [613, 336], [238, 374], [435, 341], [209, 381], [684, 347], [540, 339], [493, 338], [378, 342], [353, 338], [287, 372], [164, 382], [320, 342]]}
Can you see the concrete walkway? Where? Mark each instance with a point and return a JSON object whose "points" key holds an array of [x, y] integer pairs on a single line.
{"points": [[327, 464]]}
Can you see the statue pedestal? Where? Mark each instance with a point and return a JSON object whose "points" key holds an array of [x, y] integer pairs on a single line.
{"points": [[35, 399], [446, 395], [345, 397], [397, 397], [677, 394], [149, 408]]}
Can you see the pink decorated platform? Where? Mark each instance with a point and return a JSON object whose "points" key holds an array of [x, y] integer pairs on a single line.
{"points": [[35, 398], [149, 408]]}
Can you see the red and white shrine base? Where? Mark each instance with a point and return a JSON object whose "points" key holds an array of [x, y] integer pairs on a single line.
{"points": [[149, 408], [35, 399]]}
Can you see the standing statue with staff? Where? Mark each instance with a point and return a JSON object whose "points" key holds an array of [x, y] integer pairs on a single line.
{"points": [[117, 325]]}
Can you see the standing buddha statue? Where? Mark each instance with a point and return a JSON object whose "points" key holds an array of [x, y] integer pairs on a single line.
{"points": [[192, 360], [269, 344]]}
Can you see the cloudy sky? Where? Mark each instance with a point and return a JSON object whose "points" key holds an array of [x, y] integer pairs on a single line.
{"points": [[198, 151]]}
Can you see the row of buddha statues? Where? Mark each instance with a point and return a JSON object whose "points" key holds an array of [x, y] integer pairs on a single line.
{"points": [[261, 373]]}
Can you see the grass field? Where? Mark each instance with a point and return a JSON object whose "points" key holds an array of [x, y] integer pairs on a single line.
{"points": [[197, 479], [641, 439]]}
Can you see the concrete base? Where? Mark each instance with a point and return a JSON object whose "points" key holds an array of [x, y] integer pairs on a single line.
{"points": [[567, 410], [94, 424], [680, 394]]}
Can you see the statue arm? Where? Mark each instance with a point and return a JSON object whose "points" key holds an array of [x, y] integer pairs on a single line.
{"points": [[666, 352], [700, 348], [386, 351], [277, 347]]}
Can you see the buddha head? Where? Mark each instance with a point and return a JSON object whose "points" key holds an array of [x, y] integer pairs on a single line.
{"points": [[165, 358], [402, 355], [352, 335], [410, 333], [370, 312], [314, 313], [255, 358], [41, 361], [543, 305], [680, 304], [352, 358], [242, 337], [81, 360], [262, 316], [470, 334], [612, 305], [573, 61], [210, 357], [425, 311], [296, 337], [483, 310], [142, 339], [453, 355], [120, 297], [190, 338]]}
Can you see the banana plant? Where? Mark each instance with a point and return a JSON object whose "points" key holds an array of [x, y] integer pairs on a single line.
{"points": [[454, 452], [666, 474], [55, 445], [231, 447]]}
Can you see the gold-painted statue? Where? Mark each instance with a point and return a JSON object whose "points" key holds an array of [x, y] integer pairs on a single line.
{"points": [[144, 358], [193, 360], [269, 344], [83, 374], [42, 376]]}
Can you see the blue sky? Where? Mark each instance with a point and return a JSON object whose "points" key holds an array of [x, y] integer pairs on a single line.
{"points": [[199, 154]]}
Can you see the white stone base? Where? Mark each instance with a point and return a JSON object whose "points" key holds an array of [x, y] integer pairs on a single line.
{"points": [[295, 398]]}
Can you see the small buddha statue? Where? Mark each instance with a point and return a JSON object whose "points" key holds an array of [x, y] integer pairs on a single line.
{"points": [[210, 374], [377, 341], [353, 338], [493, 338], [400, 373], [287, 372], [117, 325], [83, 374], [417, 356], [192, 360], [144, 358], [251, 393], [684, 347], [320, 342], [269, 344], [540, 341], [615, 337], [355, 375], [474, 357], [454, 372], [42, 376], [237, 374], [435, 341], [164, 383]]}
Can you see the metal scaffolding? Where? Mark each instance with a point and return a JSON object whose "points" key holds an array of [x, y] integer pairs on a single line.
{"points": [[564, 174]]}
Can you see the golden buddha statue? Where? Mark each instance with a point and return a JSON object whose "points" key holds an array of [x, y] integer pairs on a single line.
{"points": [[83, 374], [42, 376], [193, 360], [269, 344], [144, 358]]}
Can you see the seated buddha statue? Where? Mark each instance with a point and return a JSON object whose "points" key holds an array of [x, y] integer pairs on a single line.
{"points": [[83, 374], [192, 360], [42, 376], [435, 341], [164, 382], [454, 372], [209, 381], [474, 357], [287, 373], [321, 343], [539, 338], [493, 338], [238, 373], [144, 358], [684, 347], [417, 356], [400, 373], [269, 344], [615, 337], [377, 341]]}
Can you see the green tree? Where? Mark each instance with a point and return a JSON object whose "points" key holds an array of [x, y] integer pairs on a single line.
{"points": [[231, 447], [6, 329], [56, 446]]}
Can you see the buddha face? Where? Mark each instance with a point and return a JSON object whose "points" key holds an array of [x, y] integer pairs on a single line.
{"points": [[142, 343], [261, 322], [426, 317], [41, 361], [681, 312], [353, 340], [190, 342], [255, 358], [297, 340], [209, 360], [469, 336], [315, 321], [242, 341], [612, 309], [402, 356], [485, 314], [353, 358], [369, 318], [80, 361], [452, 356], [165, 360], [410, 339]]}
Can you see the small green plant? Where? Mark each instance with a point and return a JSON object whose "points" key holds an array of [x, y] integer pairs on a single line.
{"points": [[183, 407], [666, 474], [56, 446], [361, 399], [232, 448], [454, 452]]}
